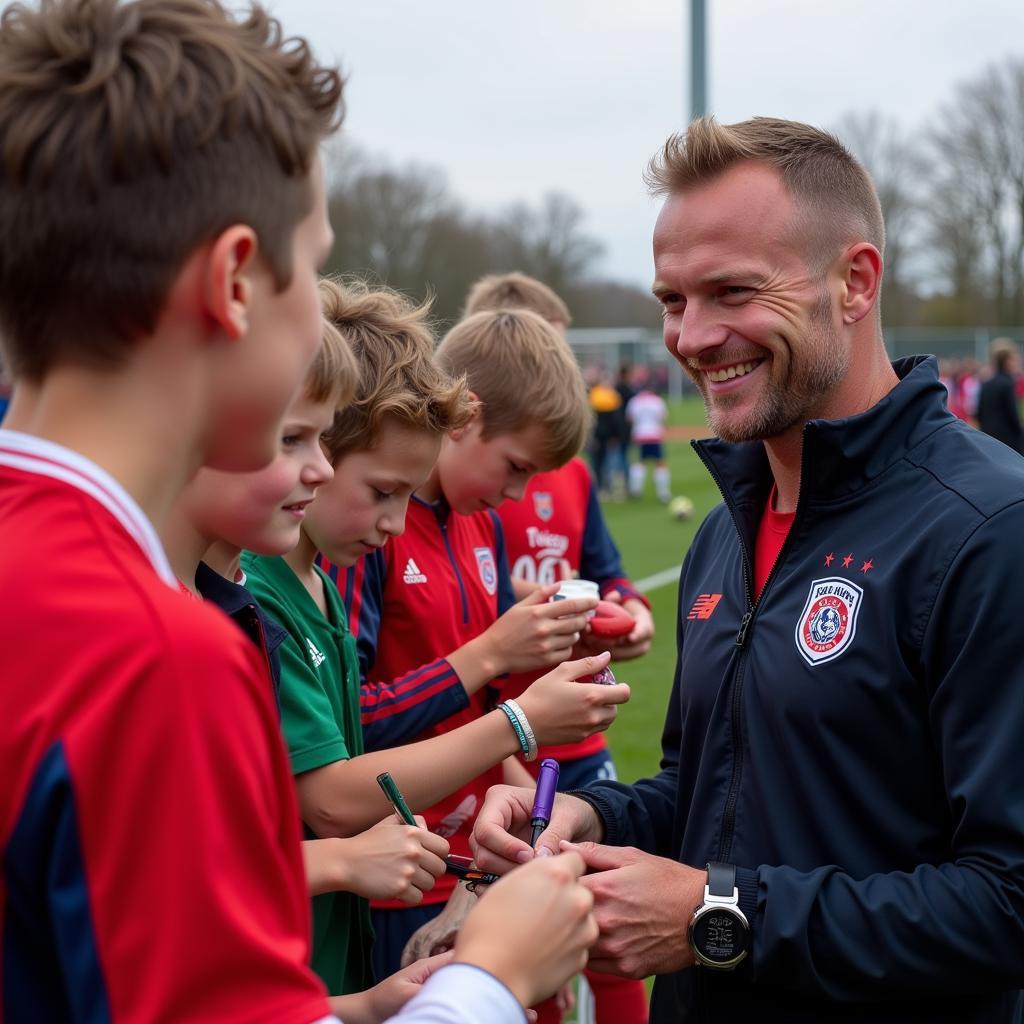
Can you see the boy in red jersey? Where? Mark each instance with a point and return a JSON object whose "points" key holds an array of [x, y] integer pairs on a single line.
{"points": [[433, 611], [159, 162], [557, 531], [133, 718]]}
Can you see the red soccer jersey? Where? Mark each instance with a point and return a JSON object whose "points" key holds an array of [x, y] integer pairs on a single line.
{"points": [[557, 532], [443, 582], [150, 836]]}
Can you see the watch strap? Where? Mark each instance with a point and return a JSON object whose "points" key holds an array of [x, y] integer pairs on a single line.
{"points": [[721, 880]]}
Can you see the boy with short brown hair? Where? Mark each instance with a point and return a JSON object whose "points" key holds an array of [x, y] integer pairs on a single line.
{"points": [[139, 743]]}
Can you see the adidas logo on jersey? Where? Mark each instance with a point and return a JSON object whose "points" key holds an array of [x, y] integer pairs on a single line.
{"points": [[412, 573], [315, 655]]}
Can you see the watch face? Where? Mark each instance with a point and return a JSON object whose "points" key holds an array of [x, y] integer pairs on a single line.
{"points": [[720, 936]]}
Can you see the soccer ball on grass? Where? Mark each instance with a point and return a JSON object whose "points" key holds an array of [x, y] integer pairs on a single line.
{"points": [[681, 508]]}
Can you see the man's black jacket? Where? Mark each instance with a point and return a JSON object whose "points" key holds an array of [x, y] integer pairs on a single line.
{"points": [[854, 742]]}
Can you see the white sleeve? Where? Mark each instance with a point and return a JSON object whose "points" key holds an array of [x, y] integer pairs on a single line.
{"points": [[461, 994]]}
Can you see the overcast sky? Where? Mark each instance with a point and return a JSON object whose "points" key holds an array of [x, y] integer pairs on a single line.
{"points": [[517, 98]]}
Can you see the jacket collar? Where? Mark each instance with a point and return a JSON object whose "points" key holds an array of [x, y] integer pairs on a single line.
{"points": [[840, 457]]}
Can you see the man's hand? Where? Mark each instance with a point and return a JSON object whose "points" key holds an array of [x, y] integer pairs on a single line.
{"points": [[643, 905], [501, 834], [438, 935]]}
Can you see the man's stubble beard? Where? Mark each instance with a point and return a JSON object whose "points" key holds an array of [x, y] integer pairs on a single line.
{"points": [[812, 377]]}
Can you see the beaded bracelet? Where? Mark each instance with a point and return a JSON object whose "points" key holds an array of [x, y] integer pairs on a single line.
{"points": [[530, 754], [513, 719]]}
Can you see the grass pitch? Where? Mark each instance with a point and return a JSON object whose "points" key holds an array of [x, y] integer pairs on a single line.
{"points": [[650, 541]]}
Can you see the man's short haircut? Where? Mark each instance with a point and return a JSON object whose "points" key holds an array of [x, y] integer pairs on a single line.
{"points": [[334, 374], [517, 291], [523, 373], [398, 380], [835, 197], [130, 134]]}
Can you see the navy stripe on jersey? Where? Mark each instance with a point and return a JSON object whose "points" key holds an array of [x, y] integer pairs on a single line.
{"points": [[51, 967], [398, 712], [506, 595]]}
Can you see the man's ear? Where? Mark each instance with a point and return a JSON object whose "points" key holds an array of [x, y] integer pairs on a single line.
{"points": [[862, 278], [228, 287], [474, 419]]}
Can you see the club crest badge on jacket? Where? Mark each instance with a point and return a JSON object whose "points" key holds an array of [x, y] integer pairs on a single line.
{"points": [[828, 623]]}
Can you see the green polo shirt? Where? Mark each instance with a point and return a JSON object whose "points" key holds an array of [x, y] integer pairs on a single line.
{"points": [[320, 719]]}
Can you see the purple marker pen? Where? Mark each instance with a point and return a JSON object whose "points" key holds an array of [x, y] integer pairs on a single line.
{"points": [[547, 783]]}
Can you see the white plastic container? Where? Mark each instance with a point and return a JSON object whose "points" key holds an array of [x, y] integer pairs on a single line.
{"points": [[577, 588]]}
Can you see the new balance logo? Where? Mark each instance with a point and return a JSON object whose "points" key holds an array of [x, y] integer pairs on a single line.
{"points": [[412, 573], [704, 606], [316, 656]]}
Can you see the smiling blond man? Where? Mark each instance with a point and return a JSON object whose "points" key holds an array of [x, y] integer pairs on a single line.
{"points": [[837, 829]]}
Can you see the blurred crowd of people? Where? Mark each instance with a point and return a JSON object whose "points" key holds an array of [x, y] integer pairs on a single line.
{"points": [[630, 418], [988, 397]]}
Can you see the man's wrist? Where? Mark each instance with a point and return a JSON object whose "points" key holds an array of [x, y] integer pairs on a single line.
{"points": [[591, 820], [719, 934]]}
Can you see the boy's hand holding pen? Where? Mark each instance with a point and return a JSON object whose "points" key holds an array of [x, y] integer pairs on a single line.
{"points": [[453, 865]]}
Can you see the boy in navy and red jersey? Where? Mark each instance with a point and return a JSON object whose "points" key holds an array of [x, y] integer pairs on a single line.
{"points": [[163, 215], [557, 531], [543, 536], [433, 611]]}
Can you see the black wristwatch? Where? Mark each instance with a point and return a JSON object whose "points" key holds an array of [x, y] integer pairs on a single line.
{"points": [[719, 931]]}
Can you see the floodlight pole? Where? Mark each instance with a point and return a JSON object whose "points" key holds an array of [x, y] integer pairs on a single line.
{"points": [[698, 59]]}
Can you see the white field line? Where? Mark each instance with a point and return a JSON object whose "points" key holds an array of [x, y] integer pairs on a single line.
{"points": [[659, 579]]}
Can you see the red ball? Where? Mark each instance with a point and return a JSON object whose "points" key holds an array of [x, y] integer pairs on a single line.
{"points": [[611, 620]]}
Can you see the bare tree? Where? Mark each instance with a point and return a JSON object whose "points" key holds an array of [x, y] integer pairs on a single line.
{"points": [[898, 165], [403, 227], [548, 242], [978, 142]]}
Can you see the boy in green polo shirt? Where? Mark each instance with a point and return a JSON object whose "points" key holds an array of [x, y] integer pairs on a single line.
{"points": [[325, 728], [320, 670]]}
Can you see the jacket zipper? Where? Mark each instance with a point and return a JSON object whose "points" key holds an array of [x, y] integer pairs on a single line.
{"points": [[742, 640], [458, 574]]}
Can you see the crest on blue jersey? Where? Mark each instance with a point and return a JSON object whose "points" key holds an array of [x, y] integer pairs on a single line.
{"points": [[828, 623], [543, 505], [487, 569]]}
